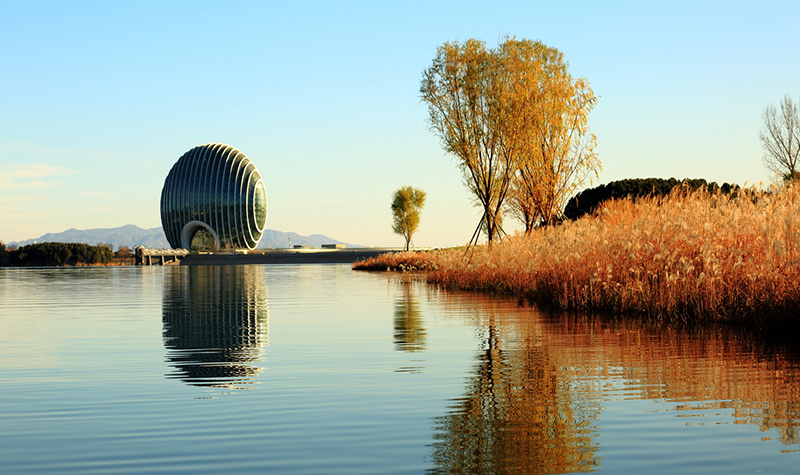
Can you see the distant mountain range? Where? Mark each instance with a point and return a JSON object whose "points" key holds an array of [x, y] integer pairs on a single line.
{"points": [[154, 238]]}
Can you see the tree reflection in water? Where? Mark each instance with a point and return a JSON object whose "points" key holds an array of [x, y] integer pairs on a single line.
{"points": [[517, 415], [533, 402], [409, 332], [215, 324]]}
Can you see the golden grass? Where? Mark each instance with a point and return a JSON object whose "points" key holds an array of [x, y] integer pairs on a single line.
{"points": [[407, 261], [688, 256]]}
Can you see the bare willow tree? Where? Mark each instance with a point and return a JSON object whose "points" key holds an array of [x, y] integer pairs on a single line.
{"points": [[461, 90], [517, 122], [407, 203], [781, 138]]}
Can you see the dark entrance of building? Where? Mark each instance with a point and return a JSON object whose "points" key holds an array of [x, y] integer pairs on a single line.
{"points": [[202, 241]]}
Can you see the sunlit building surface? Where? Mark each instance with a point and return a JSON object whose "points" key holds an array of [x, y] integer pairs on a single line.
{"points": [[213, 198]]}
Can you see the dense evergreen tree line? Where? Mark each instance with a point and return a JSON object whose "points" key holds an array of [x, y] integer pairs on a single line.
{"points": [[590, 199], [3, 254], [56, 254]]}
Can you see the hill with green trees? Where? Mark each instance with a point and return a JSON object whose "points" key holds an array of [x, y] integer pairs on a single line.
{"points": [[55, 254], [590, 199]]}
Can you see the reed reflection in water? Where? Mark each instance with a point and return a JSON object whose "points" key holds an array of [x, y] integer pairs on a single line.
{"points": [[215, 324], [536, 398]]}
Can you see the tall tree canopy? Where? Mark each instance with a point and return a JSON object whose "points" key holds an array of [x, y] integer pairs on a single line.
{"points": [[407, 203], [461, 89], [549, 116], [516, 121], [781, 138]]}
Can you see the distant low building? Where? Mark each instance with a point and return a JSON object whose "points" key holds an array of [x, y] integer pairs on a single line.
{"points": [[213, 198]]}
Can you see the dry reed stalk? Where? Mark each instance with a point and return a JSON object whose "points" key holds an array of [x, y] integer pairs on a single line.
{"points": [[407, 261]]}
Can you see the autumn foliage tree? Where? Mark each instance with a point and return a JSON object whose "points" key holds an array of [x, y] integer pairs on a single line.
{"points": [[461, 89], [516, 121], [548, 119], [407, 203]]}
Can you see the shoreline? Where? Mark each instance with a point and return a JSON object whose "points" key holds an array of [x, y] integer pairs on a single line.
{"points": [[271, 256], [687, 257], [286, 256]]}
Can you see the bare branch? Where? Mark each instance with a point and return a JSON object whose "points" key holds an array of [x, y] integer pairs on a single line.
{"points": [[780, 137]]}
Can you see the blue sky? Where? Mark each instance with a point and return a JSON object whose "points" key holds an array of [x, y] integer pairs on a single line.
{"points": [[99, 99]]}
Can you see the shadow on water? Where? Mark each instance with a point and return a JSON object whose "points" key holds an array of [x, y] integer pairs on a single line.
{"points": [[540, 384], [215, 324]]}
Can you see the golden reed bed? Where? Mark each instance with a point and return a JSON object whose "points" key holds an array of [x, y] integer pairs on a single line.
{"points": [[688, 256]]}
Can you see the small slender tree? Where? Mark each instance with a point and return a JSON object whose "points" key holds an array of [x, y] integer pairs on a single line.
{"points": [[407, 203], [781, 139]]}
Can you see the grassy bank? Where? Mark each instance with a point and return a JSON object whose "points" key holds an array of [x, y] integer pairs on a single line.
{"points": [[689, 256]]}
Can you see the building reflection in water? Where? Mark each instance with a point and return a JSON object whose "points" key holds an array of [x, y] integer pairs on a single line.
{"points": [[539, 385], [215, 324]]}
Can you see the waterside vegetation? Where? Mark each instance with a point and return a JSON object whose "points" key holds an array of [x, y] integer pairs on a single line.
{"points": [[689, 256], [590, 199], [56, 254]]}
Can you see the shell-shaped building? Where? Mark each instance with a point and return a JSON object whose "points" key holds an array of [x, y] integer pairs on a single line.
{"points": [[214, 194]]}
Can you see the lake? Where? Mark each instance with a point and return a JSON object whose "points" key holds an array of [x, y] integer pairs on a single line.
{"points": [[318, 369]]}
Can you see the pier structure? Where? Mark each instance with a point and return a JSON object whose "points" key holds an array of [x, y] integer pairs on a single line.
{"points": [[158, 257]]}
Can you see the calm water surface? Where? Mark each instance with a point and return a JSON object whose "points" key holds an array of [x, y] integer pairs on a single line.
{"points": [[320, 369]]}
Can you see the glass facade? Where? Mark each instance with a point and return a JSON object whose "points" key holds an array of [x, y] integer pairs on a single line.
{"points": [[217, 189]]}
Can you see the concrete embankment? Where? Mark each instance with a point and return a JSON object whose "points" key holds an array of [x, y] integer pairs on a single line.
{"points": [[285, 256]]}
